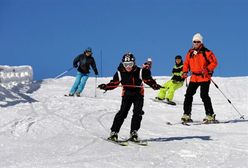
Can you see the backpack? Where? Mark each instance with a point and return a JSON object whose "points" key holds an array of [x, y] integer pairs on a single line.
{"points": [[208, 62]]}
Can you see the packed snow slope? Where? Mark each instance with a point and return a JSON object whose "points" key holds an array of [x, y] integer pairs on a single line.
{"points": [[41, 128]]}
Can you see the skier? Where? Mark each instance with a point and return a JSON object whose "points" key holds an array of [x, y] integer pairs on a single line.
{"points": [[84, 60], [201, 62], [147, 64], [168, 89], [131, 77]]}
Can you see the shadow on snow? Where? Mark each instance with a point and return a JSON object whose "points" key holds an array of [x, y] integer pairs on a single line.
{"points": [[164, 139], [18, 94]]}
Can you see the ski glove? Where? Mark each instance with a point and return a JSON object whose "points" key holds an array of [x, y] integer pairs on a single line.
{"points": [[156, 86], [102, 86], [205, 73]]}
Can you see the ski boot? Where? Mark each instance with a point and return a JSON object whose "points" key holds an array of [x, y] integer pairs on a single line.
{"points": [[78, 94], [210, 119], [134, 136], [70, 94], [186, 118], [113, 136]]}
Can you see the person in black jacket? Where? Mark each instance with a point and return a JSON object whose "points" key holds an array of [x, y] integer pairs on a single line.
{"points": [[82, 62], [130, 76]]}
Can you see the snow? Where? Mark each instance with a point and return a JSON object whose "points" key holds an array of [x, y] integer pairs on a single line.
{"points": [[12, 75], [40, 127]]}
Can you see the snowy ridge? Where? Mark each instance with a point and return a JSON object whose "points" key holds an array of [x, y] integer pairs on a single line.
{"points": [[12, 75], [39, 127]]}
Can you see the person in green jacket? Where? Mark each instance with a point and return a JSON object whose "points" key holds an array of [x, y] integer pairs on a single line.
{"points": [[167, 91]]}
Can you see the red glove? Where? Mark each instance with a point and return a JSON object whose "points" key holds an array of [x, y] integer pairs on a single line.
{"points": [[184, 75]]}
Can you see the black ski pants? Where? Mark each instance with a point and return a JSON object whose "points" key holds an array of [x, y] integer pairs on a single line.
{"points": [[127, 101], [204, 90]]}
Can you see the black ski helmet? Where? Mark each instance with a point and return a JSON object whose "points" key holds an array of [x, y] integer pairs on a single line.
{"points": [[88, 49], [178, 57], [128, 57]]}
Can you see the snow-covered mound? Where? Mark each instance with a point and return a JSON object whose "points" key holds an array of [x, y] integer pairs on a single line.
{"points": [[40, 127], [12, 75]]}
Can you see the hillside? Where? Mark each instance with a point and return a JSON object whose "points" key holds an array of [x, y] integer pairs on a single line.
{"points": [[40, 127]]}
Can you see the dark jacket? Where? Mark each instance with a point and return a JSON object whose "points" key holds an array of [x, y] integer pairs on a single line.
{"points": [[177, 72], [147, 65], [84, 63], [131, 81]]}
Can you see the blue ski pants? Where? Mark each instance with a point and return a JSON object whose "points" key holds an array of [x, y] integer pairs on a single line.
{"points": [[79, 83]]}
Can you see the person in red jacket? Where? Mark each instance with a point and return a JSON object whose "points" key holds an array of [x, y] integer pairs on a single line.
{"points": [[201, 62]]}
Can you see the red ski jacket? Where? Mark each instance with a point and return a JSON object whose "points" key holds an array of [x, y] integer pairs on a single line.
{"points": [[198, 62]]}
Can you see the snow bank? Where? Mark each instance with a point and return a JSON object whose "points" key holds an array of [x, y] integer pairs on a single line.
{"points": [[13, 75]]}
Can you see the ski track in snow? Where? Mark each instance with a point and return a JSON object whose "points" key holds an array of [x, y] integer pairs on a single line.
{"points": [[57, 131]]}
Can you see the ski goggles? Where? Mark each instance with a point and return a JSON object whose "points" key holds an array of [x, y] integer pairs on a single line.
{"points": [[128, 64], [197, 42]]}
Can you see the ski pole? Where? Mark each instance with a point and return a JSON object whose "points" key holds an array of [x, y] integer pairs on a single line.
{"points": [[95, 84], [229, 101], [130, 86], [63, 73], [187, 85]]}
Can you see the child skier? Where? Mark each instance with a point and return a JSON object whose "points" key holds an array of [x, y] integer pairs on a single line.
{"points": [[176, 82], [131, 77]]}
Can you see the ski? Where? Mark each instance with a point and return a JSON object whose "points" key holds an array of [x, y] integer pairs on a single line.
{"points": [[179, 123], [67, 95], [210, 122], [222, 122], [164, 101], [119, 142], [200, 122], [139, 142], [185, 123]]}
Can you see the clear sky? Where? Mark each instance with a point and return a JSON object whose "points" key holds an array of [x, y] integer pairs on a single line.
{"points": [[48, 34]]}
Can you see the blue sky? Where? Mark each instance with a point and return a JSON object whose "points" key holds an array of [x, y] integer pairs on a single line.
{"points": [[48, 34]]}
